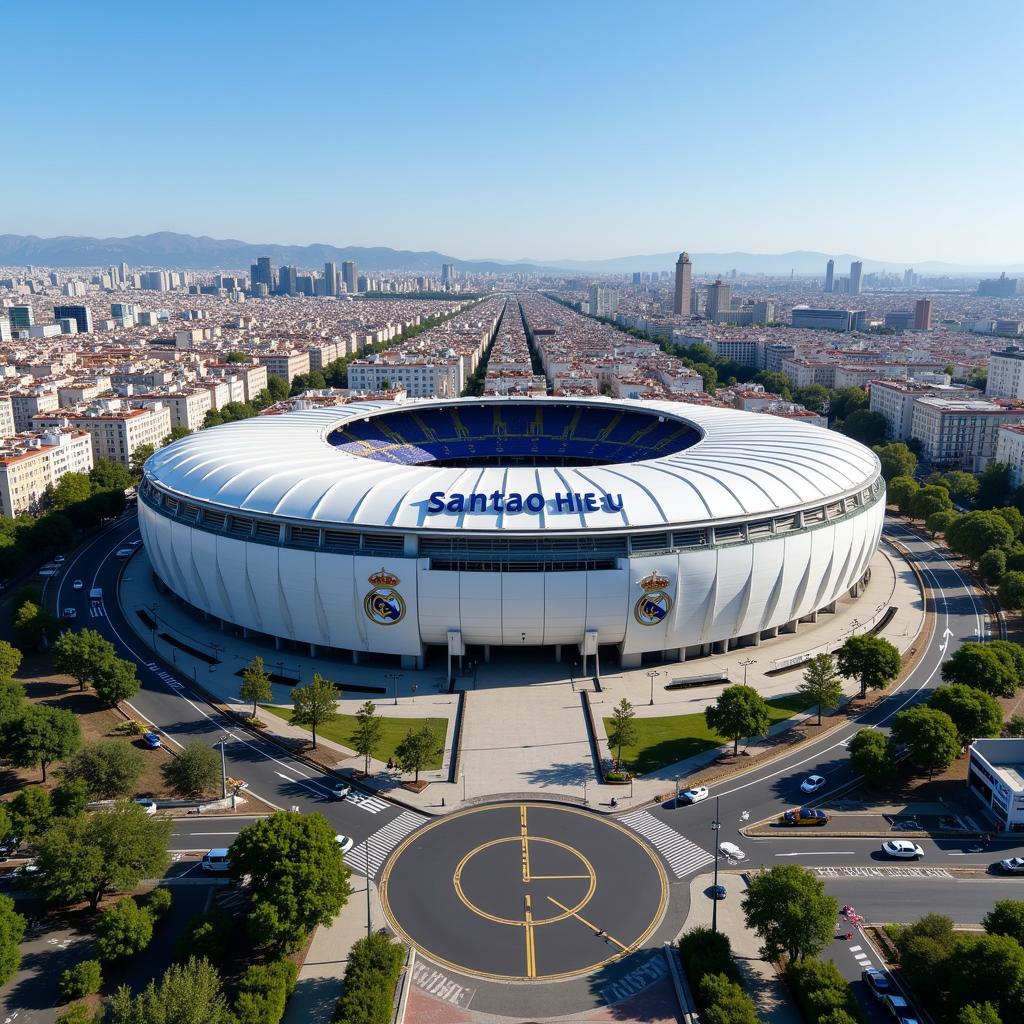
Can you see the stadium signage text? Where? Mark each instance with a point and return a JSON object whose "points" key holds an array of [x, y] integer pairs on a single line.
{"points": [[498, 501]]}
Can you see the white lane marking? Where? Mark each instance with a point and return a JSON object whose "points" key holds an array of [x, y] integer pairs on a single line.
{"points": [[377, 846], [211, 833], [683, 856], [372, 804], [856, 949], [818, 853]]}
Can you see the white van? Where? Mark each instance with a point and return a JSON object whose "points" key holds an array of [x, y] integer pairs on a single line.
{"points": [[217, 861]]}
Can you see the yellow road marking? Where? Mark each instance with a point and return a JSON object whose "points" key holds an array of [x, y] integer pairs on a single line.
{"points": [[531, 951], [579, 917], [525, 838], [541, 878]]}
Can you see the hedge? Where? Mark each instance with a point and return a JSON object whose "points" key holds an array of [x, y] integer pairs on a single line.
{"points": [[374, 965], [263, 992], [83, 979], [725, 1002], [714, 978], [123, 930], [822, 993]]}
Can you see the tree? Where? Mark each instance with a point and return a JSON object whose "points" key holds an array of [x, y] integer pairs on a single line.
{"points": [[929, 500], [973, 712], [176, 434], [81, 654], [983, 666], [278, 387], [930, 736], [83, 979], [297, 876], [123, 930], [417, 750], [108, 851], [315, 705], [107, 475], [1014, 727], [739, 711], [775, 382], [77, 1013], [865, 426], [1006, 918], [845, 401], [992, 565], [1011, 590], [622, 731], [70, 489], [188, 993], [263, 992], [995, 485], [940, 522], [10, 661], [897, 460], [725, 1002], [979, 1013], [43, 735], [822, 685], [110, 768], [369, 726], [34, 627], [70, 797], [924, 949], [312, 381], [788, 908], [138, 459], [195, 772], [116, 680], [236, 357], [1014, 518], [974, 533], [12, 931], [31, 812], [814, 397], [12, 700], [992, 965], [871, 754], [900, 492], [255, 684], [963, 487], [870, 660]]}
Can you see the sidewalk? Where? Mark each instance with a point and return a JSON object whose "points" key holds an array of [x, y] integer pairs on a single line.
{"points": [[760, 980]]}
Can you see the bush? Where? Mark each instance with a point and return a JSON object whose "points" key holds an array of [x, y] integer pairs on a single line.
{"points": [[133, 727], [158, 903], [77, 1013], [724, 1001], [123, 930], [208, 935], [263, 991], [374, 964], [821, 992], [706, 952], [81, 980]]}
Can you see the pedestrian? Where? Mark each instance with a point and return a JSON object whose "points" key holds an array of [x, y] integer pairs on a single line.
{"points": [[845, 910]]}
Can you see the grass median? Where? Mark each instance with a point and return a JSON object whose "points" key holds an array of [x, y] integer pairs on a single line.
{"points": [[663, 741], [342, 730]]}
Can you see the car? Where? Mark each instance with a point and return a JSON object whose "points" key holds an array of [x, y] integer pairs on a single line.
{"points": [[877, 982], [9, 846], [340, 790], [78, 585], [718, 892], [58, 559], [805, 816], [902, 849], [695, 795], [48, 571], [152, 740], [217, 861], [899, 1008], [124, 552], [345, 843], [148, 805], [732, 851], [70, 613], [812, 783], [1012, 865], [136, 544]]}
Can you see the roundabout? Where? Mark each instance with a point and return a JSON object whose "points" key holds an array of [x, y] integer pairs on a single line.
{"points": [[523, 892]]}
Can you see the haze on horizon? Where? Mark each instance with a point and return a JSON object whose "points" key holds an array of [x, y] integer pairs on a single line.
{"points": [[569, 131]]}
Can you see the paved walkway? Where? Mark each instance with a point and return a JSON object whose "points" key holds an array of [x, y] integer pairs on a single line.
{"points": [[518, 737], [760, 980]]}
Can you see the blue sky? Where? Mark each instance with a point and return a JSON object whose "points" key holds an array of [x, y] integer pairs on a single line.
{"points": [[558, 129]]}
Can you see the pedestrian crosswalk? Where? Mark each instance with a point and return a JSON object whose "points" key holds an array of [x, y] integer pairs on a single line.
{"points": [[373, 851], [165, 676], [683, 856], [372, 804], [96, 611]]}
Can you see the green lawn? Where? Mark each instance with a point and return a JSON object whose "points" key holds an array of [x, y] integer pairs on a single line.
{"points": [[662, 741], [343, 728]]}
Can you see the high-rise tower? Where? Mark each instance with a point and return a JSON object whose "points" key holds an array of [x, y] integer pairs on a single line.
{"points": [[856, 274], [830, 276], [684, 271]]}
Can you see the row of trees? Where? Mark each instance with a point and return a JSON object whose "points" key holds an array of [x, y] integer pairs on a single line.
{"points": [[276, 390]]}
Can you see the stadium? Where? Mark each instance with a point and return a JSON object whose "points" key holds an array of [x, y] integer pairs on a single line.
{"points": [[658, 529]]}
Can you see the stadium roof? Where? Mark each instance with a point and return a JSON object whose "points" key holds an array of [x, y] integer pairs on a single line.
{"points": [[745, 465]]}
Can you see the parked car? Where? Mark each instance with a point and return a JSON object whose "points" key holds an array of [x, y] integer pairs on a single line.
{"points": [[9, 846], [59, 559], [217, 861], [718, 892], [902, 849], [345, 843], [877, 982], [812, 783], [70, 613], [148, 805], [695, 795], [78, 585], [124, 552], [1013, 865], [340, 790], [151, 739], [899, 1008], [733, 851], [805, 816]]}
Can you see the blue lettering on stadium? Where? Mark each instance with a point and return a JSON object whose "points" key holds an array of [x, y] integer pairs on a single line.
{"points": [[498, 501]]}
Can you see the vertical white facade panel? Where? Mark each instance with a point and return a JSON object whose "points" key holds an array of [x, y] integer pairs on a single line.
{"points": [[734, 564], [480, 607], [522, 608], [297, 571], [565, 607], [608, 592], [335, 590], [231, 556], [204, 559], [695, 596], [766, 560], [437, 594], [795, 566]]}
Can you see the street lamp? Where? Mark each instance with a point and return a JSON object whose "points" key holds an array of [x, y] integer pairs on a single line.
{"points": [[369, 926], [746, 663], [394, 677], [715, 827], [652, 675], [853, 627]]}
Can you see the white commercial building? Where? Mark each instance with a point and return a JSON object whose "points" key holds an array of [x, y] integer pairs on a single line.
{"points": [[996, 777], [894, 399], [1006, 374], [116, 431], [961, 432]]}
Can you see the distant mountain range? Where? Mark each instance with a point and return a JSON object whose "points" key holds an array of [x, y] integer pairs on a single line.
{"points": [[172, 250]]}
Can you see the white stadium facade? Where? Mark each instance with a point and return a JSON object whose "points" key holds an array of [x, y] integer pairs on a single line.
{"points": [[663, 529]]}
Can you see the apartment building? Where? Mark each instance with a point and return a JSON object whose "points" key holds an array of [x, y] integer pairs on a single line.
{"points": [[30, 402], [1010, 448], [285, 364], [1006, 374], [7, 427], [188, 408], [962, 432], [32, 462], [116, 429], [441, 379], [252, 375], [894, 399]]}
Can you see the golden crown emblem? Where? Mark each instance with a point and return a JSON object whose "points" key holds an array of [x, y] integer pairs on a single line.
{"points": [[384, 579], [654, 581]]}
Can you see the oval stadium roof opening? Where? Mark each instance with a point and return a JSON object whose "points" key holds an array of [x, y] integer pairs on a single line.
{"points": [[509, 433]]}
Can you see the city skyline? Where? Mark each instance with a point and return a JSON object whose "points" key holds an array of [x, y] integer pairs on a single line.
{"points": [[544, 120]]}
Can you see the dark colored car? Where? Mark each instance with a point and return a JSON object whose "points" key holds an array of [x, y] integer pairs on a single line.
{"points": [[877, 982], [805, 816]]}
